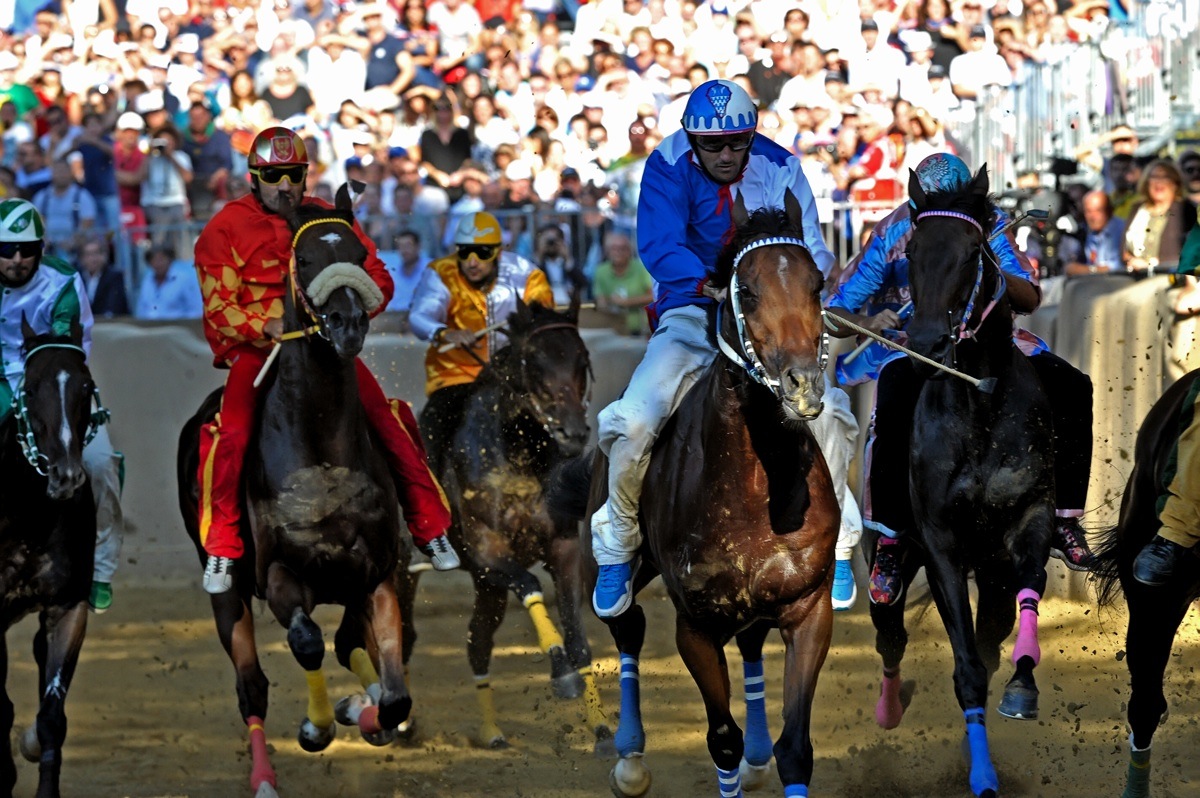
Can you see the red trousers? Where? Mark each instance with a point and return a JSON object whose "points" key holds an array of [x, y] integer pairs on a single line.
{"points": [[223, 445]]}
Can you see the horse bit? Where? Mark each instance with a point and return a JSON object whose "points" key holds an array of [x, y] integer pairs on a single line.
{"points": [[25, 437], [752, 363]]}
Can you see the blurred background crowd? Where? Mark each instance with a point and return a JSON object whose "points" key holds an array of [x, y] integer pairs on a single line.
{"points": [[127, 122]]}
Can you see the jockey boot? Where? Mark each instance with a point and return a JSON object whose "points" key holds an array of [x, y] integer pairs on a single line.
{"points": [[441, 553], [1156, 563], [1069, 544], [887, 577], [614, 590], [101, 598], [218, 574], [845, 591]]}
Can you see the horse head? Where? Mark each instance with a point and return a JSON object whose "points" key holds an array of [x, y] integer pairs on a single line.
{"points": [[331, 292], [952, 269], [546, 366], [770, 322], [54, 408]]}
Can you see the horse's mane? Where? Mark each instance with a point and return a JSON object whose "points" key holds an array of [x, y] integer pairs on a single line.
{"points": [[762, 223], [309, 211]]}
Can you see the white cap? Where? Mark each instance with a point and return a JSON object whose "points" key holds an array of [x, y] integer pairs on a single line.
{"points": [[8, 60], [149, 101], [130, 121], [519, 170], [57, 41], [158, 61], [187, 43]]}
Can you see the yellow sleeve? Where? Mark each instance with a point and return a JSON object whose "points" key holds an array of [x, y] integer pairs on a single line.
{"points": [[537, 289]]}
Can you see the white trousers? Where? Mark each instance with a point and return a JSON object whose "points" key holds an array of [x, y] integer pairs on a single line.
{"points": [[676, 355], [103, 467]]}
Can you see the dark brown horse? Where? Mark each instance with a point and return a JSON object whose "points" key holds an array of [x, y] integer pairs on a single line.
{"points": [[524, 415], [739, 514], [47, 537], [324, 524], [1154, 612]]}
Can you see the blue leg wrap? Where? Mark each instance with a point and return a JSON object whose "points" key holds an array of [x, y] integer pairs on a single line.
{"points": [[795, 791], [730, 782], [983, 775], [758, 737], [630, 737]]}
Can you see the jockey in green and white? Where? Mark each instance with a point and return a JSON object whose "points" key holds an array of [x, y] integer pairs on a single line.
{"points": [[50, 296]]}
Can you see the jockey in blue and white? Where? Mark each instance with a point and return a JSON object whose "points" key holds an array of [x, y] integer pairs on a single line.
{"points": [[872, 293], [684, 218], [49, 294]]}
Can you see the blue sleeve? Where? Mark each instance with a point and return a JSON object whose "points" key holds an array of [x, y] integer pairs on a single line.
{"points": [[1011, 260], [864, 276], [662, 213]]}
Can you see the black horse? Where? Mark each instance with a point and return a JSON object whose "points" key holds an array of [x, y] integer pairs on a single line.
{"points": [[1154, 612], [47, 537], [324, 523], [525, 414], [981, 469], [739, 514]]}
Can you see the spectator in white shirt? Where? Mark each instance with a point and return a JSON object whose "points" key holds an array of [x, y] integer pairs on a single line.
{"points": [[981, 66], [169, 288], [68, 209]]}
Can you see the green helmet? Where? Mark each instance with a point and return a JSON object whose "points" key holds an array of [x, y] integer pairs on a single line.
{"points": [[20, 221]]}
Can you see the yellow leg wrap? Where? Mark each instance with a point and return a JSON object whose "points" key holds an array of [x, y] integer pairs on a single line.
{"points": [[320, 711], [489, 730], [362, 667], [548, 636], [591, 698]]}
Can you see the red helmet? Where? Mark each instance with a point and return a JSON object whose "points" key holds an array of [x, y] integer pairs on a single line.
{"points": [[278, 146]]}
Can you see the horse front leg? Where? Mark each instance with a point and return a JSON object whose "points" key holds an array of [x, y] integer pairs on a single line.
{"points": [[705, 660], [291, 607], [756, 759], [386, 629], [487, 613], [994, 616], [564, 565], [807, 628], [1030, 552], [630, 777], [64, 629], [8, 769]]}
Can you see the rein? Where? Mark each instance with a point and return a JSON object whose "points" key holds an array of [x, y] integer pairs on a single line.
{"points": [[964, 332], [751, 363], [25, 437]]}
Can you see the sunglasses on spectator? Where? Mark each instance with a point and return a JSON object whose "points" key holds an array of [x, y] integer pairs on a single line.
{"points": [[23, 249], [274, 175], [443, 107], [718, 143], [481, 251]]}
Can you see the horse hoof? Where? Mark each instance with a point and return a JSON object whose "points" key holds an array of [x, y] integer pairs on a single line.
{"points": [[380, 738], [347, 711], [1019, 703], [406, 732], [497, 743], [754, 777], [629, 778], [606, 746], [31, 747], [313, 739], [265, 790], [567, 686]]}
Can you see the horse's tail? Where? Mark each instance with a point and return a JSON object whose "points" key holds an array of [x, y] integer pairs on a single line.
{"points": [[567, 498], [1106, 564]]}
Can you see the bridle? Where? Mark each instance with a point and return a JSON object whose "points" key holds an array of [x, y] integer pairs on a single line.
{"points": [[299, 295], [748, 358], [962, 331], [20, 406], [528, 396]]}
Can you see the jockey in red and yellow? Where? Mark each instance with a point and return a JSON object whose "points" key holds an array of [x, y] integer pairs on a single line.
{"points": [[242, 259]]}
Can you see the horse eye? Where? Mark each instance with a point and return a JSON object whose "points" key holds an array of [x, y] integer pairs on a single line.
{"points": [[747, 296]]}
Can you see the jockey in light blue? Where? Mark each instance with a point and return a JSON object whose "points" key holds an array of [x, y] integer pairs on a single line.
{"points": [[50, 296], [684, 218]]}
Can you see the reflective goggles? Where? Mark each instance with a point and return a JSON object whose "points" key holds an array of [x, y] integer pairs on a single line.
{"points": [[274, 175], [737, 143], [24, 249], [481, 251]]}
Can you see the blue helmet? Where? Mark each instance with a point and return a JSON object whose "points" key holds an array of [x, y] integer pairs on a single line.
{"points": [[719, 106], [942, 172]]}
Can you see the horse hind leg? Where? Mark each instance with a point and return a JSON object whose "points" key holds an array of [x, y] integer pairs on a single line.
{"points": [[756, 759]]}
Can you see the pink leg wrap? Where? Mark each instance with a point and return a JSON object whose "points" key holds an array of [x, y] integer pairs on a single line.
{"points": [[889, 711], [1027, 638], [261, 771], [368, 721]]}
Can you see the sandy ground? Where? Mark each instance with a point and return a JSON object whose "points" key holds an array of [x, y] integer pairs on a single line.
{"points": [[153, 713]]}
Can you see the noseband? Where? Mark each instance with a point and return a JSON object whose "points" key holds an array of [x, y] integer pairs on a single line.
{"points": [[751, 362], [20, 406], [964, 332]]}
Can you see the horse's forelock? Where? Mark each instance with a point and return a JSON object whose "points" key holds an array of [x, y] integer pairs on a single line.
{"points": [[762, 223]]}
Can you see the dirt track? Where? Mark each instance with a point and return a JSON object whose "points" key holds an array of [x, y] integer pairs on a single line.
{"points": [[153, 713]]}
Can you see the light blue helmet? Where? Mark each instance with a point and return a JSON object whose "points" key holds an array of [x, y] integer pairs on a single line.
{"points": [[942, 172], [719, 106]]}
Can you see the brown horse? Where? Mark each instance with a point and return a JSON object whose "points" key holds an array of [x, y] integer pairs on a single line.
{"points": [[324, 524], [739, 513]]}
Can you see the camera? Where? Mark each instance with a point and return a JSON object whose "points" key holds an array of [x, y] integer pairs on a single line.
{"points": [[159, 145]]}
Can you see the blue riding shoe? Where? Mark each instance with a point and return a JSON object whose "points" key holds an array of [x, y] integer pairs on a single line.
{"points": [[887, 582], [1155, 565], [441, 554], [614, 590], [1069, 544], [218, 575], [101, 598], [845, 591]]}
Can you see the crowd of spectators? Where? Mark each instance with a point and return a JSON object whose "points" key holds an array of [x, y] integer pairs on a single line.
{"points": [[138, 114]]}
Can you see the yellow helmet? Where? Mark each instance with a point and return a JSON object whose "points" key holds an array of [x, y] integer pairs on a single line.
{"points": [[477, 228]]}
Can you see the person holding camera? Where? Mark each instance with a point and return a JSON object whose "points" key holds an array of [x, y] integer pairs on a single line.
{"points": [[164, 177]]}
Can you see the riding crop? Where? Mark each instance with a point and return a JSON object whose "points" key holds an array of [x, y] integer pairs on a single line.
{"points": [[903, 313], [985, 385]]}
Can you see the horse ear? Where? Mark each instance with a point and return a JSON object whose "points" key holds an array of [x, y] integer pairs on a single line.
{"points": [[27, 332], [573, 308], [343, 201], [791, 207], [522, 317], [915, 192], [76, 332], [980, 184], [740, 216]]}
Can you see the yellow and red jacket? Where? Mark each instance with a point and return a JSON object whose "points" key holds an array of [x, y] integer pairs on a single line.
{"points": [[445, 300], [242, 258]]}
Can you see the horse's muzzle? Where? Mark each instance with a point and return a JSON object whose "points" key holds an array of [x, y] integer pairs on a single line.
{"points": [[801, 392], [347, 331], [64, 479], [571, 438]]}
